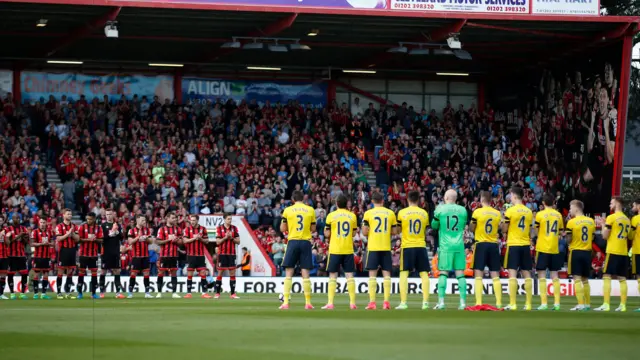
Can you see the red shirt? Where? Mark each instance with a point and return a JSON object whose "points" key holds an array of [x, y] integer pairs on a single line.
{"points": [[196, 248], [4, 249], [228, 247], [169, 249], [39, 237], [61, 230], [90, 248], [140, 248], [16, 248]]}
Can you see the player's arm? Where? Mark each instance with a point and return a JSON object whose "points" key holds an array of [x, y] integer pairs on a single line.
{"points": [[313, 223], [81, 236], [606, 229], [236, 238], [150, 239], [100, 236], [568, 232], [132, 239], [395, 224], [32, 239], [436, 221], [74, 233], [188, 240], [284, 226], [536, 226], [634, 226], [162, 237], [327, 229], [505, 222], [474, 223]]}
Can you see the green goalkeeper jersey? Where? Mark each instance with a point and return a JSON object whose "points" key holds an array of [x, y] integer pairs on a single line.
{"points": [[450, 221]]}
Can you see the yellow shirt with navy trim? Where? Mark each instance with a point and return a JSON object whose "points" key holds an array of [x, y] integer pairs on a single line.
{"points": [[342, 223], [619, 225], [380, 221], [635, 235], [487, 220], [519, 218], [299, 218], [413, 221], [582, 230], [549, 223]]}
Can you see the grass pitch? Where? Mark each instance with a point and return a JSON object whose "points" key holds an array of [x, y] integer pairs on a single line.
{"points": [[253, 328]]}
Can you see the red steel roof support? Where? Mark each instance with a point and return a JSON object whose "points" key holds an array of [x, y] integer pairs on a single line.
{"points": [[525, 31], [84, 31]]}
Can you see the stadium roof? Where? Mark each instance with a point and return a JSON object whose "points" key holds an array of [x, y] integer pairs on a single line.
{"points": [[193, 37]]}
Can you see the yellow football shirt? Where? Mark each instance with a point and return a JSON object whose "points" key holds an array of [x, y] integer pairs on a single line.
{"points": [[519, 218], [619, 226], [549, 223], [635, 223], [582, 229], [343, 223], [380, 221], [299, 218], [487, 220], [413, 221]]}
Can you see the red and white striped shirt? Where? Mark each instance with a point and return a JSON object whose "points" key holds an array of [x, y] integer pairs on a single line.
{"points": [[196, 248], [90, 248], [39, 237], [140, 248]]}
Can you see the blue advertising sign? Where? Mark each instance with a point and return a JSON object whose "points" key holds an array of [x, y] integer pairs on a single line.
{"points": [[196, 89], [37, 86]]}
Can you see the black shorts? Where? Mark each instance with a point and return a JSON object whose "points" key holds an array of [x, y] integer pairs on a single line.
{"points": [[635, 264], [518, 257], [196, 263], [226, 262], [414, 259], [486, 254], [334, 261], [89, 262], [545, 261], [168, 263], [110, 261], [580, 263], [4, 264], [298, 253], [378, 259], [17, 264], [140, 263], [67, 258], [616, 265], [41, 264]]}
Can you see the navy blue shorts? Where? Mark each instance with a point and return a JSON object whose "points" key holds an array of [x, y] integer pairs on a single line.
{"points": [[545, 261], [616, 265], [378, 259], [414, 259], [580, 263], [334, 261], [298, 253], [518, 258], [486, 254], [635, 264]]}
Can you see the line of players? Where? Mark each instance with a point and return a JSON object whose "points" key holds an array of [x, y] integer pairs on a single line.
{"points": [[380, 223], [91, 240]]}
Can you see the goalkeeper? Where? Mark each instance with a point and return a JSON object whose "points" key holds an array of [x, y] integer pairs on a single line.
{"points": [[450, 220]]}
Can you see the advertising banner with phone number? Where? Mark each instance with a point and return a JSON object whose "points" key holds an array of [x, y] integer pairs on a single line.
{"points": [[477, 6]]}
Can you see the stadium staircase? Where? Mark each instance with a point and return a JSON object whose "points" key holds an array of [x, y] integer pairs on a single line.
{"points": [[54, 178]]}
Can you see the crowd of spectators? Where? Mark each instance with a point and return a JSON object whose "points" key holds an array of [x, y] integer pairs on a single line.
{"points": [[154, 156]]}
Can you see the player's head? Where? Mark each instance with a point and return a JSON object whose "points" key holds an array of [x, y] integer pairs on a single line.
{"points": [[111, 215], [548, 200], [341, 201], [516, 195], [141, 221], [413, 197], [42, 223], [67, 214], [171, 218], [616, 204], [297, 196], [227, 219], [91, 218], [377, 198], [193, 219], [576, 208], [450, 196], [485, 198], [636, 206]]}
